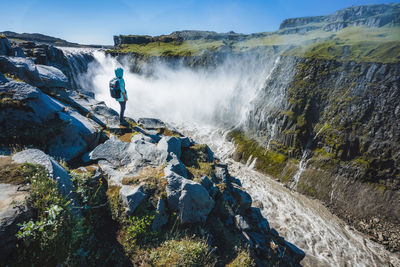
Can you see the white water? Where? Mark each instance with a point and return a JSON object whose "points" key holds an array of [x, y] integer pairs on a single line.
{"points": [[182, 95], [326, 240]]}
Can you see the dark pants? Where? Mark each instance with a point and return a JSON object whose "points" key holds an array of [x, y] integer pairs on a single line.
{"points": [[121, 114]]}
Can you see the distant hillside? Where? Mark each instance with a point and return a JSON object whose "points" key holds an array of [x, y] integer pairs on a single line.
{"points": [[364, 33], [42, 39]]}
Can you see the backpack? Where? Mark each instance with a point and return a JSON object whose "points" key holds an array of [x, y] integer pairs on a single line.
{"points": [[115, 90]]}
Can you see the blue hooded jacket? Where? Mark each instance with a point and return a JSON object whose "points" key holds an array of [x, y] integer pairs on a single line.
{"points": [[119, 73]]}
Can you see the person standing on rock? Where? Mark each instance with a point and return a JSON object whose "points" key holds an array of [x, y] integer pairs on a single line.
{"points": [[119, 73]]}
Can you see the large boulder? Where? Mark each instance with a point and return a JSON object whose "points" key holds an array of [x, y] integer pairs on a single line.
{"points": [[52, 77], [22, 68], [119, 159], [171, 145], [30, 117], [189, 198]]}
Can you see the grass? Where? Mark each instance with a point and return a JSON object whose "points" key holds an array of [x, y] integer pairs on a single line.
{"points": [[186, 48], [10, 173], [183, 252], [358, 44], [243, 259], [197, 161]]}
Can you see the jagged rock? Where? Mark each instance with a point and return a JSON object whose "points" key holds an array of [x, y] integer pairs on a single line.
{"points": [[131, 197], [55, 170], [23, 68], [242, 198], [241, 223], [171, 145], [150, 135], [36, 118], [190, 199], [175, 165], [13, 211], [2, 78], [258, 220], [52, 77], [161, 216], [185, 142], [206, 182], [151, 123], [296, 253]]}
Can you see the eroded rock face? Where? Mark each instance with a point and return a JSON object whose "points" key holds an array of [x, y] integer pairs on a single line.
{"points": [[13, 211], [31, 117], [23, 68]]}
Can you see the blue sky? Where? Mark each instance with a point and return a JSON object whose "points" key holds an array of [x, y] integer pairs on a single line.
{"points": [[95, 22]]}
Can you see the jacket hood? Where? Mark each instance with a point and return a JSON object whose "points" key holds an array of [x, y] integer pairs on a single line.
{"points": [[119, 72]]}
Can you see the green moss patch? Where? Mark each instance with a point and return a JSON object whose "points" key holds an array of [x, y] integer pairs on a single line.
{"points": [[268, 161], [198, 162]]}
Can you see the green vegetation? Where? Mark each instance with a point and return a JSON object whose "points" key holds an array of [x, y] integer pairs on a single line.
{"points": [[169, 49], [183, 252], [268, 161], [197, 161], [358, 44]]}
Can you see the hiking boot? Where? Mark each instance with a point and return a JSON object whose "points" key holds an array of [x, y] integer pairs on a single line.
{"points": [[123, 123]]}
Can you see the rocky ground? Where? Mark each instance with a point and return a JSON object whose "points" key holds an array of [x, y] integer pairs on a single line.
{"points": [[72, 179]]}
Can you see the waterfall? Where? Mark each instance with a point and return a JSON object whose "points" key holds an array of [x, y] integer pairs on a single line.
{"points": [[176, 93], [77, 62]]}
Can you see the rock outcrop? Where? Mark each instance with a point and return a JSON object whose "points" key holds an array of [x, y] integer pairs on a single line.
{"points": [[368, 15]]}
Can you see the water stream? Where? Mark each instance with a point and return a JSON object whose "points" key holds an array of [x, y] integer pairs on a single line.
{"points": [[305, 222]]}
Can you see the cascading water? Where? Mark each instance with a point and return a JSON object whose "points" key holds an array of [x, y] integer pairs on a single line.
{"points": [[194, 100], [78, 60]]}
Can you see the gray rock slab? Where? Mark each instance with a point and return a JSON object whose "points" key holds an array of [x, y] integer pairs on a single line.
{"points": [[52, 77], [151, 123], [131, 197]]}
